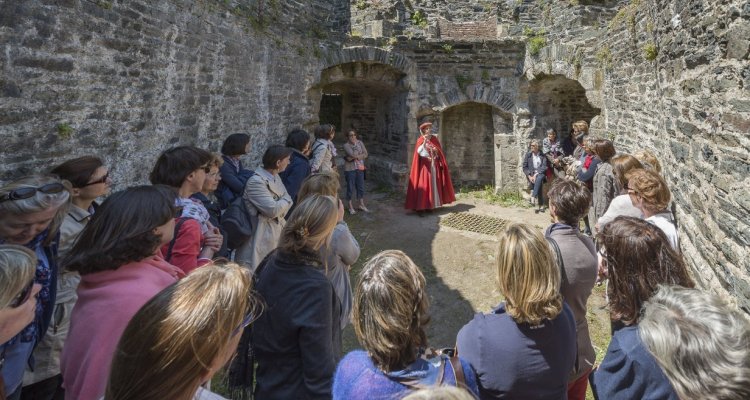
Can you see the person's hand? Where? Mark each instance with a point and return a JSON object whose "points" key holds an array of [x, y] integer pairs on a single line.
{"points": [[341, 211], [213, 240]]}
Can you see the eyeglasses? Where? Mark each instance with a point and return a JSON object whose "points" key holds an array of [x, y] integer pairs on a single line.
{"points": [[249, 318], [27, 192], [103, 179], [24, 296], [206, 168]]}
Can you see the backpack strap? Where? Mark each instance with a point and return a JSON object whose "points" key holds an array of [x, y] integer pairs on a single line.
{"points": [[558, 256], [177, 226]]}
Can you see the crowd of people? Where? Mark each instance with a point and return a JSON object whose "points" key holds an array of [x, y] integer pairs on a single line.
{"points": [[136, 297]]}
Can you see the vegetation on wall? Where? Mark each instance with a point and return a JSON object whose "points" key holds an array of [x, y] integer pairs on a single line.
{"points": [[535, 40], [650, 51], [604, 57], [64, 130], [419, 19]]}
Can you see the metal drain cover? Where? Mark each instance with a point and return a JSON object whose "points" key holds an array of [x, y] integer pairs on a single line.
{"points": [[466, 221]]}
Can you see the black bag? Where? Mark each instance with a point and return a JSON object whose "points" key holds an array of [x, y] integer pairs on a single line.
{"points": [[237, 224]]}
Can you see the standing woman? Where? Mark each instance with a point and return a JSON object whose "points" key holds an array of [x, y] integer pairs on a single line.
{"points": [[649, 193], [638, 258], [267, 201], [605, 185], [323, 152], [31, 212], [153, 363], [622, 164], [526, 347], [233, 175], [354, 170], [294, 338], [299, 165], [535, 169], [90, 180], [430, 183], [117, 255]]}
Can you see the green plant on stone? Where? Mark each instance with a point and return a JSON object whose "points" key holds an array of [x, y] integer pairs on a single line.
{"points": [[485, 75], [604, 57], [64, 130], [361, 4], [419, 19], [447, 48], [488, 193], [650, 51], [464, 81], [107, 5], [535, 40]]}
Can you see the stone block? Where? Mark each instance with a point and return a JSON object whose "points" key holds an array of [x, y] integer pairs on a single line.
{"points": [[738, 45], [50, 64]]}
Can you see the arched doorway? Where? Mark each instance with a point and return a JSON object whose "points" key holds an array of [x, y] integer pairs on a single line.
{"points": [[556, 102], [471, 134]]}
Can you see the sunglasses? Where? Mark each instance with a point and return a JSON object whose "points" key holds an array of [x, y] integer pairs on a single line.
{"points": [[103, 179], [27, 192], [249, 318], [24, 296]]}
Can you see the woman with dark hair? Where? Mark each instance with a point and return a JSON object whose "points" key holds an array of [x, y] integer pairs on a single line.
{"points": [[117, 255], [295, 338], [553, 150], [622, 164], [233, 175], [396, 359], [535, 169], [195, 239], [638, 258], [299, 165], [354, 170], [152, 363], [323, 151], [267, 202], [526, 347], [90, 180], [604, 184], [31, 212], [208, 198]]}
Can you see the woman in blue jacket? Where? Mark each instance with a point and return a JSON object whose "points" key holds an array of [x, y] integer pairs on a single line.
{"points": [[233, 175], [299, 164]]}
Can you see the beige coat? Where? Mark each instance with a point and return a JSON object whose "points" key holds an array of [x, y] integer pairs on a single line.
{"points": [[359, 152], [267, 201]]}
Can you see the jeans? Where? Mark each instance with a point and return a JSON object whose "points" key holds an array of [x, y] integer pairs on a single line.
{"points": [[537, 187], [355, 180]]}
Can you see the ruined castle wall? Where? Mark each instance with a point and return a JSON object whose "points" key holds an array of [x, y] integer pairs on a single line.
{"points": [[125, 80], [672, 77]]}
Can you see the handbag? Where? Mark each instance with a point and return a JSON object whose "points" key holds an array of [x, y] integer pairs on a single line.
{"points": [[237, 224]]}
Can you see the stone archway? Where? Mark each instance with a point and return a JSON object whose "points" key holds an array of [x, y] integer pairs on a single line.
{"points": [[473, 136], [556, 102], [371, 98]]}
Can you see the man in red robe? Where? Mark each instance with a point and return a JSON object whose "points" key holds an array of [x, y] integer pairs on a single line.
{"points": [[430, 183]]}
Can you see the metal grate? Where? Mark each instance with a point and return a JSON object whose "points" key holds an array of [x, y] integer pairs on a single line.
{"points": [[474, 223]]}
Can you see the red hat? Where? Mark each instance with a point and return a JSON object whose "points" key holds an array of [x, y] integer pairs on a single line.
{"points": [[425, 124]]}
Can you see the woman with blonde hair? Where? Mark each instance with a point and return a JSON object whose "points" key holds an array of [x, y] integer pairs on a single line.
{"points": [[535, 169], [390, 315], [31, 212], [179, 339], [296, 339], [344, 250], [17, 290], [526, 347]]}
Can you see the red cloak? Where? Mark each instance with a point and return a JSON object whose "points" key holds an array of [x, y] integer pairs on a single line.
{"points": [[419, 194]]}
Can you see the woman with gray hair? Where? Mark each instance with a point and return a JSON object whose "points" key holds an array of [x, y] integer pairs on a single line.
{"points": [[701, 344], [31, 211]]}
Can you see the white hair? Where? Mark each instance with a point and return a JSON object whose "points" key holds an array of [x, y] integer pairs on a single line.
{"points": [[701, 343]]}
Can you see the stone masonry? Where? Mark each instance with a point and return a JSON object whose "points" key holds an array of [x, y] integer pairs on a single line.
{"points": [[127, 79]]}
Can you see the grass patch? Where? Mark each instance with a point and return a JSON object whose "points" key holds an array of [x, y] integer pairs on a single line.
{"points": [[487, 193]]}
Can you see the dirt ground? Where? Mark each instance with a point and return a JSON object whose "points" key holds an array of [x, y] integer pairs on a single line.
{"points": [[458, 264]]}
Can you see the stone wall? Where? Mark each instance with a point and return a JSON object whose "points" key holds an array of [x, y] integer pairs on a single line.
{"points": [[467, 137], [126, 80]]}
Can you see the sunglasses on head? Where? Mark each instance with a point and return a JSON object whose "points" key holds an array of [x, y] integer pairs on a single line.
{"points": [[103, 179], [29, 191], [24, 296]]}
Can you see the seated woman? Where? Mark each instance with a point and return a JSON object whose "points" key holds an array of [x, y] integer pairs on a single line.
{"points": [[90, 180], [294, 339], [390, 314], [535, 168], [526, 347], [637, 258], [18, 290], [233, 175], [267, 201], [701, 343], [31, 212], [195, 240], [121, 268], [649, 193], [553, 150], [154, 363]]}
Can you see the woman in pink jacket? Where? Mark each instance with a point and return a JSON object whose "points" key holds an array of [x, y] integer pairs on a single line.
{"points": [[121, 269]]}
